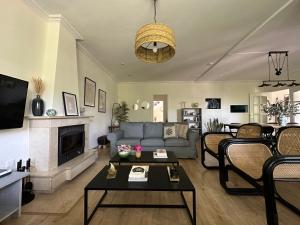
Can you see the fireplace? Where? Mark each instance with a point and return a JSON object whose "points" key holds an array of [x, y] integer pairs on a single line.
{"points": [[70, 142]]}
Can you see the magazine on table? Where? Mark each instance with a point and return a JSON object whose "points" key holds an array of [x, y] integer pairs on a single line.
{"points": [[160, 154], [138, 174]]}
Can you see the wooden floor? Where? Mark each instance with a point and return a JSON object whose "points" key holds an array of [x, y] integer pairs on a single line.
{"points": [[214, 206]]}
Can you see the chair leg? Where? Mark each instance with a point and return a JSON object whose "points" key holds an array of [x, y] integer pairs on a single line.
{"points": [[203, 161], [270, 201]]}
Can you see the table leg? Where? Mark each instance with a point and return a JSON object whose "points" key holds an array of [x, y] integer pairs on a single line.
{"points": [[194, 207], [85, 207]]}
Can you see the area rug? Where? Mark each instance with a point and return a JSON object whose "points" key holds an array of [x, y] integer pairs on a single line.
{"points": [[66, 196]]}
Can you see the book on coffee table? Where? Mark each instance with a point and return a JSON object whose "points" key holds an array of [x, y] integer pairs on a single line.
{"points": [[4, 172], [138, 174], [173, 174], [160, 154]]}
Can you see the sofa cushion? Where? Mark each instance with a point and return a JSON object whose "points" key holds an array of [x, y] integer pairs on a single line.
{"points": [[155, 142], [181, 130], [174, 142], [132, 129], [129, 141], [169, 131], [153, 130]]}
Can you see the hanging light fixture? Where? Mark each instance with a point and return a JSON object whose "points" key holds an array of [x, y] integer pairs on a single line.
{"points": [[278, 59], [155, 42]]}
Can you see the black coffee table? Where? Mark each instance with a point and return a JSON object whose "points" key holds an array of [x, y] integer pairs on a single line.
{"points": [[158, 180], [147, 157]]}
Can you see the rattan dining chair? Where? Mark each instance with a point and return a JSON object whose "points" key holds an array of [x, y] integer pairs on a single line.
{"points": [[254, 161], [210, 140]]}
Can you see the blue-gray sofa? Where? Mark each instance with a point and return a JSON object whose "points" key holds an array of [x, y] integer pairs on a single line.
{"points": [[150, 136]]}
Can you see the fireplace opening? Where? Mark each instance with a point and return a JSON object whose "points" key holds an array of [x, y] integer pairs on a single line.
{"points": [[70, 142]]}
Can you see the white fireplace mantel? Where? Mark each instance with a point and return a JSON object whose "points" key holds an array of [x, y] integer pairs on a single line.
{"points": [[43, 150]]}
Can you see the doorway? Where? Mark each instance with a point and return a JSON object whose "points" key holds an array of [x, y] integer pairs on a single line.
{"points": [[160, 108]]}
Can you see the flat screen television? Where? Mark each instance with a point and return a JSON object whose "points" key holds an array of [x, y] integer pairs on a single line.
{"points": [[239, 108], [13, 94]]}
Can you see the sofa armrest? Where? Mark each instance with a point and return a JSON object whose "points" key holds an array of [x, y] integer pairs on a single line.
{"points": [[115, 136], [192, 136]]}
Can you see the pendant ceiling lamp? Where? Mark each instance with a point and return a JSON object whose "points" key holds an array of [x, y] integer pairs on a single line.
{"points": [[155, 42], [278, 60]]}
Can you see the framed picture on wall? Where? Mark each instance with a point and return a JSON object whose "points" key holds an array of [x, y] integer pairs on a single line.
{"points": [[101, 101], [89, 92], [70, 104], [213, 103]]}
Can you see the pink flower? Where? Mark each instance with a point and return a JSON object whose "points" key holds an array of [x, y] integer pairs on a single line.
{"points": [[138, 148]]}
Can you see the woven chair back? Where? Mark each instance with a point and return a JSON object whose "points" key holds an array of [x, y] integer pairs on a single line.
{"points": [[212, 141], [249, 131], [291, 171], [249, 158], [288, 142]]}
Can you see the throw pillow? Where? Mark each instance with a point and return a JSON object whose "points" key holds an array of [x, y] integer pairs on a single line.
{"points": [[169, 131], [182, 130]]}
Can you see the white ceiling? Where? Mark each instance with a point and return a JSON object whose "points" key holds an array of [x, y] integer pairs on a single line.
{"points": [[214, 31]]}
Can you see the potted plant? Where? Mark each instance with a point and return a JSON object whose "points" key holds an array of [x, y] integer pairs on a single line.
{"points": [[138, 150], [281, 109], [121, 112], [214, 125]]}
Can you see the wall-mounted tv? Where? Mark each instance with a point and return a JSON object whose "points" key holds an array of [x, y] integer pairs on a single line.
{"points": [[239, 108], [13, 94]]}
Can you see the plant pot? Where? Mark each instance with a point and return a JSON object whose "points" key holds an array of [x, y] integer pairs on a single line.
{"points": [[282, 120], [138, 154], [37, 106]]}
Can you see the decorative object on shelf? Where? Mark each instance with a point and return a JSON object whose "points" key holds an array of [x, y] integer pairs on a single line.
{"points": [[70, 104], [138, 150], [89, 92], [51, 112], [101, 101], [213, 103], [37, 105], [155, 42], [278, 59], [121, 112], [124, 150], [195, 104], [111, 172], [182, 104], [214, 125], [281, 109]]}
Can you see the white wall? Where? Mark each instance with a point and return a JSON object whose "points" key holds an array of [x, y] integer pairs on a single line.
{"points": [[32, 44], [231, 93], [22, 47], [87, 67]]}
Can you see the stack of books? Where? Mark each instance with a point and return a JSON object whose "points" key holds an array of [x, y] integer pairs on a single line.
{"points": [[138, 174], [160, 154]]}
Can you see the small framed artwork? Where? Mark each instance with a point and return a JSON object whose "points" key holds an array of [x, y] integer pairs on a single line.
{"points": [[89, 92], [101, 101], [213, 103], [70, 104]]}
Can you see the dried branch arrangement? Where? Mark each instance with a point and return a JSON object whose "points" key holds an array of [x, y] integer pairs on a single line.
{"points": [[39, 85]]}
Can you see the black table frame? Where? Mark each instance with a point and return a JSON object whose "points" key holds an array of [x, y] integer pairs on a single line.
{"points": [[149, 159], [100, 204]]}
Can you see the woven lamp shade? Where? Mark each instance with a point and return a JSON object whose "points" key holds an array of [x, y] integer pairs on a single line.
{"points": [[159, 33]]}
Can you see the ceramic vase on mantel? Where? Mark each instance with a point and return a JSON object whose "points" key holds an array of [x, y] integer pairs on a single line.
{"points": [[282, 120], [37, 106]]}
